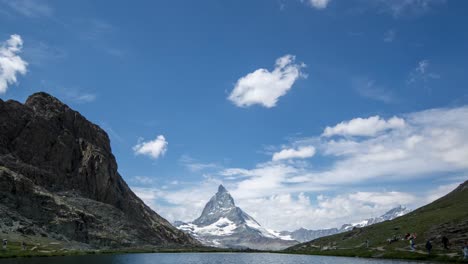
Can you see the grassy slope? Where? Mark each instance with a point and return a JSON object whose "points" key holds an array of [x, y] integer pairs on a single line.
{"points": [[46, 247], [447, 216]]}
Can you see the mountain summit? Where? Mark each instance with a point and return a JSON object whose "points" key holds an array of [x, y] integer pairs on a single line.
{"points": [[220, 205], [223, 224]]}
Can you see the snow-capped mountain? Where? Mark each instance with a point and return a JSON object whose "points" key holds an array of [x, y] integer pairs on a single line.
{"points": [[390, 215], [304, 235], [223, 224]]}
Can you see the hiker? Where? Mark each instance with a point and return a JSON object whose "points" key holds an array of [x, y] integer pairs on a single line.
{"points": [[411, 242], [407, 236], [465, 251], [4, 243], [428, 246], [367, 243], [23, 245], [445, 242]]}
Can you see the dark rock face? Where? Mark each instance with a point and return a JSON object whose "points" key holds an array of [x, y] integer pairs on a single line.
{"points": [[58, 178]]}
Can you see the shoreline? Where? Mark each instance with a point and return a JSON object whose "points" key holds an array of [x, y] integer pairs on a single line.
{"points": [[368, 254]]}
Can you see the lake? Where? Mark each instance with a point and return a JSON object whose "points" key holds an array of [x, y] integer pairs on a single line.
{"points": [[199, 258]]}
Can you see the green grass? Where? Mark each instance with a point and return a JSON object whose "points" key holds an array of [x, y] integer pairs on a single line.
{"points": [[432, 221]]}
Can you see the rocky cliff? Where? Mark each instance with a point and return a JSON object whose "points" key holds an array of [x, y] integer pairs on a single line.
{"points": [[59, 179]]}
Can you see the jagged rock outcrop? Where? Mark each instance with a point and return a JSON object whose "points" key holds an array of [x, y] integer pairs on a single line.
{"points": [[58, 178], [223, 224]]}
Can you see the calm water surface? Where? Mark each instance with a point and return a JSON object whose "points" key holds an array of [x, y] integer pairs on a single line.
{"points": [[199, 258]]}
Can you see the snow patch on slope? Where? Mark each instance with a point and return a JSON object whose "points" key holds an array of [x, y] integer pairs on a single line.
{"points": [[222, 227]]}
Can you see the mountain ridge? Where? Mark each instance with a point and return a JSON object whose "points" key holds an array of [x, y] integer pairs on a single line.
{"points": [[446, 216], [304, 235], [223, 224], [59, 179]]}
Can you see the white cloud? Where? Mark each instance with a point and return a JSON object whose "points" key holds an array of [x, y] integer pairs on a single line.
{"points": [[297, 210], [361, 176], [264, 87], [153, 148], [301, 153], [11, 64], [364, 126], [319, 4]]}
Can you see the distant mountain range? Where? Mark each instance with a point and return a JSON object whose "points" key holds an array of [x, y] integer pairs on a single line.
{"points": [[447, 216], [223, 224], [304, 235]]}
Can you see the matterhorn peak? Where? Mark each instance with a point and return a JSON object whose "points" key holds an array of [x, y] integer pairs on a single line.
{"points": [[223, 224], [221, 189]]}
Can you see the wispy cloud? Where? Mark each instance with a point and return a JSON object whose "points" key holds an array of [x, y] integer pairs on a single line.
{"points": [[407, 8], [30, 8], [11, 64], [317, 4], [40, 53], [196, 166], [422, 73], [79, 97], [265, 87], [389, 35], [370, 89], [92, 29]]}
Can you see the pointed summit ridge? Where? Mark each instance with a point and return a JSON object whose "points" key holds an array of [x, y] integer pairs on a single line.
{"points": [[221, 189], [223, 224]]}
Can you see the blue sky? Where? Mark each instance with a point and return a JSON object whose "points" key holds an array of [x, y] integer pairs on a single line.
{"points": [[331, 111]]}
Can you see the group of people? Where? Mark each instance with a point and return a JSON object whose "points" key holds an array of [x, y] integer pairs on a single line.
{"points": [[412, 243], [446, 243]]}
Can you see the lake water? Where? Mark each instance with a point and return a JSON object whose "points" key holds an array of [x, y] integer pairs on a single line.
{"points": [[199, 258]]}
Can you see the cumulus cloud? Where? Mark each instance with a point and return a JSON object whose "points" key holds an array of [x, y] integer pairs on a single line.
{"points": [[319, 4], [153, 148], [364, 126], [432, 145], [11, 64], [265, 87], [299, 153]]}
